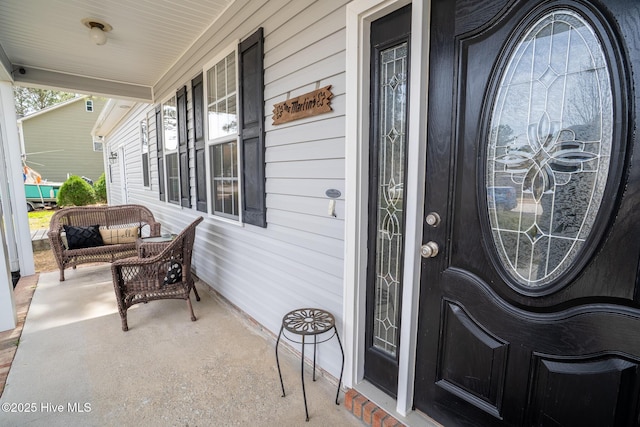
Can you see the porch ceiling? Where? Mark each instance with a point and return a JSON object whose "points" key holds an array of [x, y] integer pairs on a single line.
{"points": [[47, 39]]}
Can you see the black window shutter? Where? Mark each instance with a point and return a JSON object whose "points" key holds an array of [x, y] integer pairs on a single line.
{"points": [[251, 120], [197, 98], [159, 130], [183, 148]]}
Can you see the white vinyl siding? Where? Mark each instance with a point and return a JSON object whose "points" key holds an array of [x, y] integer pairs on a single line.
{"points": [[56, 135], [128, 136], [298, 259]]}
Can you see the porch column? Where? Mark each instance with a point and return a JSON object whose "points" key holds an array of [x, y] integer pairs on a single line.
{"points": [[10, 246], [9, 260], [13, 168], [8, 315]]}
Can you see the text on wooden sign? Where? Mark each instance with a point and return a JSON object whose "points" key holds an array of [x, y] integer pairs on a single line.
{"points": [[307, 105]]}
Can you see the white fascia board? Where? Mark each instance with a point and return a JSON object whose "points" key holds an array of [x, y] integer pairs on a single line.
{"points": [[36, 77]]}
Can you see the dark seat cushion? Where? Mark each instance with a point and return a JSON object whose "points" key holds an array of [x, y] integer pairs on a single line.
{"points": [[83, 237], [174, 274]]}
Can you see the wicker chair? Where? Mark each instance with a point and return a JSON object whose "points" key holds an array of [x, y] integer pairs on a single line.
{"points": [[152, 275]]}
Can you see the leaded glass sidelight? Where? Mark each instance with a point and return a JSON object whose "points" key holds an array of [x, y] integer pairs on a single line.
{"points": [[549, 148], [390, 209]]}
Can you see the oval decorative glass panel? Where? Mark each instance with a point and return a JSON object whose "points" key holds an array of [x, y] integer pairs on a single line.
{"points": [[549, 147]]}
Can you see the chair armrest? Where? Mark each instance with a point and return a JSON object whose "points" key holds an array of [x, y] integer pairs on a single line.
{"points": [[56, 243], [54, 237]]}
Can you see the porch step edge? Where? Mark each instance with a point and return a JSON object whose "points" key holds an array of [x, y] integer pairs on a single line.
{"points": [[367, 411]]}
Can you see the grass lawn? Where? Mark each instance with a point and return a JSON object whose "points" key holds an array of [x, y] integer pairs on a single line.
{"points": [[40, 219], [43, 260]]}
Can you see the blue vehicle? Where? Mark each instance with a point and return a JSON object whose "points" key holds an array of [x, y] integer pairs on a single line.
{"points": [[501, 198]]}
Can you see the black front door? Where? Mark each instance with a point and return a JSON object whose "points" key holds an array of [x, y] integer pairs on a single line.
{"points": [[530, 307]]}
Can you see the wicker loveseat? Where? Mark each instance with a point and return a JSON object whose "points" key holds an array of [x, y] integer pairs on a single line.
{"points": [[86, 234]]}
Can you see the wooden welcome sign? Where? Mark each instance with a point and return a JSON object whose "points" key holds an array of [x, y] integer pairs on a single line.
{"points": [[307, 105]]}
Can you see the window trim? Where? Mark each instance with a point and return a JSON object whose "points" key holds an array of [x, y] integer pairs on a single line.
{"points": [[166, 152], [144, 134], [209, 143]]}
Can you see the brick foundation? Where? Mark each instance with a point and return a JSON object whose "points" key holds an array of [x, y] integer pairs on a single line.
{"points": [[368, 412]]}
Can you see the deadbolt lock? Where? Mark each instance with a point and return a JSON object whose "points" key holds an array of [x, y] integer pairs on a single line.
{"points": [[433, 219]]}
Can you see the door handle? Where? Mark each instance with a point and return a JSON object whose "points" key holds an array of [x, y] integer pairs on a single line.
{"points": [[429, 250]]}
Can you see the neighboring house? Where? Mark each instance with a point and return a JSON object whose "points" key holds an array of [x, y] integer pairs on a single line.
{"points": [[57, 141], [450, 305]]}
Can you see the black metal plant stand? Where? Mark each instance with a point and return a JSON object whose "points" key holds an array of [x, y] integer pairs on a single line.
{"points": [[305, 322]]}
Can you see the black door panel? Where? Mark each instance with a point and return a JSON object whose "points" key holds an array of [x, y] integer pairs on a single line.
{"points": [[494, 347]]}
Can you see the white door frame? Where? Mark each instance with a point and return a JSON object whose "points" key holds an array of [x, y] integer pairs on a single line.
{"points": [[360, 14]]}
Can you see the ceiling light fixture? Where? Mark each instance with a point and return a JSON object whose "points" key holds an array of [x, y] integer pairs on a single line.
{"points": [[97, 30]]}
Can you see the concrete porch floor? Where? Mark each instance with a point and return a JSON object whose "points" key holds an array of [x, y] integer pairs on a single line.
{"points": [[75, 366]]}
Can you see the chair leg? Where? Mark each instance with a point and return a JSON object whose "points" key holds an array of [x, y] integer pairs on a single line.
{"points": [[62, 274], [195, 291], [193, 316], [123, 318]]}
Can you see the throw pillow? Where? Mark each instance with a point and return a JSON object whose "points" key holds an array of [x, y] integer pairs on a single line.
{"points": [[174, 275], [114, 236], [83, 237]]}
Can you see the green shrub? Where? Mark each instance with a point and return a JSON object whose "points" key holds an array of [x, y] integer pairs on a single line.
{"points": [[77, 192], [100, 187]]}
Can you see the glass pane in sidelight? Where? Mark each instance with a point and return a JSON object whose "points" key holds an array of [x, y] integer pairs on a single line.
{"points": [[390, 210]]}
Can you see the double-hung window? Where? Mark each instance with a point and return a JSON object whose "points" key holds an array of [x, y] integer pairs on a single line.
{"points": [[228, 99], [222, 136], [170, 138]]}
